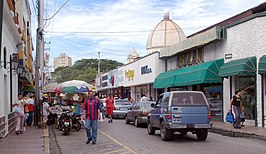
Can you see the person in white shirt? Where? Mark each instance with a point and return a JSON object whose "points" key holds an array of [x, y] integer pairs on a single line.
{"points": [[144, 98], [45, 110], [18, 108]]}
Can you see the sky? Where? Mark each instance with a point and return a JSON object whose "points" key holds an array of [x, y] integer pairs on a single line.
{"points": [[82, 28]]}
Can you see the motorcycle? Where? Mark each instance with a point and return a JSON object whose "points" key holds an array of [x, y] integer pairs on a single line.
{"points": [[76, 122], [65, 122]]}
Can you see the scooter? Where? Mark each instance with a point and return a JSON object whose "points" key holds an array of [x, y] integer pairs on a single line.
{"points": [[65, 122], [76, 122]]}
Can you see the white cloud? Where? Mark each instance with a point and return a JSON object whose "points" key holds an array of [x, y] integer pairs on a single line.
{"points": [[127, 16]]}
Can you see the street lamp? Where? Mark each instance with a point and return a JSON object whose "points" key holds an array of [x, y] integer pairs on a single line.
{"points": [[13, 62]]}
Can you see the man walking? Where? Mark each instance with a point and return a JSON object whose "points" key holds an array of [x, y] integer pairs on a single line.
{"points": [[91, 112], [31, 105]]}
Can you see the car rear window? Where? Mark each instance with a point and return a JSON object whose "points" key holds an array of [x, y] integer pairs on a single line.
{"points": [[146, 105], [188, 99]]}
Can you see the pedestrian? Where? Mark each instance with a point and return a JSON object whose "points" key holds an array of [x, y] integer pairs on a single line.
{"points": [[91, 112], [110, 108], [131, 100], [144, 98], [237, 106], [18, 107], [45, 110], [31, 105]]}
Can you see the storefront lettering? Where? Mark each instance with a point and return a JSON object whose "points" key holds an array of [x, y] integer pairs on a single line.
{"points": [[145, 70], [129, 74], [104, 84]]}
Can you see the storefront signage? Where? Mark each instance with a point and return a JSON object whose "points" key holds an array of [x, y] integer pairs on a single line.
{"points": [[145, 70], [104, 84], [104, 77], [129, 74]]}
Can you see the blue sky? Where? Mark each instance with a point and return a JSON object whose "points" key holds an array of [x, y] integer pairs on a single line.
{"points": [[113, 27]]}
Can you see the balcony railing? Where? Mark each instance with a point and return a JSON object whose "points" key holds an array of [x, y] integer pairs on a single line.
{"points": [[11, 4], [16, 18]]}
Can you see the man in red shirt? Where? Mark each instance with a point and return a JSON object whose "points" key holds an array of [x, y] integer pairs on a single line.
{"points": [[110, 107], [91, 112]]}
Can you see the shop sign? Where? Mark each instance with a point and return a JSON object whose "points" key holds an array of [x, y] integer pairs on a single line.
{"points": [[104, 84], [145, 70], [129, 74], [104, 77]]}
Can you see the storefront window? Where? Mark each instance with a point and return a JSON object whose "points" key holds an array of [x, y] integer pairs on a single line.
{"points": [[247, 84]]}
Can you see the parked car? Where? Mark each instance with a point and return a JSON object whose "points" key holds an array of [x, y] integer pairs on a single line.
{"points": [[121, 108], [139, 112], [216, 108], [180, 111]]}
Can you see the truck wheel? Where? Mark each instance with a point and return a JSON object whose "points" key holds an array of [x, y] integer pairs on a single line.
{"points": [[150, 129], [127, 121], [166, 135], [202, 134], [136, 122]]}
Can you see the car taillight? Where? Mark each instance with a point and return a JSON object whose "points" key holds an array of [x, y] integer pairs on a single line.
{"points": [[209, 115], [67, 120], [169, 116]]}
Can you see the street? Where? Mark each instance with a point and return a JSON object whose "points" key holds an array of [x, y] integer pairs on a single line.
{"points": [[118, 137]]}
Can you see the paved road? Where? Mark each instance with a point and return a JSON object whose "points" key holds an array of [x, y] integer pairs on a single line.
{"points": [[121, 138]]}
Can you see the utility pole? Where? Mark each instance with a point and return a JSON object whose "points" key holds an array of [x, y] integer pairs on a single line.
{"points": [[39, 60], [99, 63]]}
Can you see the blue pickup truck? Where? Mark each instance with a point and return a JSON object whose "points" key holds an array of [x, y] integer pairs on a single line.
{"points": [[180, 111]]}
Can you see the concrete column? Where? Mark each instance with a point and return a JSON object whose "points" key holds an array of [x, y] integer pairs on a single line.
{"points": [[259, 100], [226, 96]]}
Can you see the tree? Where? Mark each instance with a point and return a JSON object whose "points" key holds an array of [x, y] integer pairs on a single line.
{"points": [[84, 69]]}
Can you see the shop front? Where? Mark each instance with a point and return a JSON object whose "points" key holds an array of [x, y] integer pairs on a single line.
{"points": [[241, 74], [140, 74], [202, 77]]}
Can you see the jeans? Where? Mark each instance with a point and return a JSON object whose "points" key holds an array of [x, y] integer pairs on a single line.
{"points": [[91, 129], [237, 111], [29, 120]]}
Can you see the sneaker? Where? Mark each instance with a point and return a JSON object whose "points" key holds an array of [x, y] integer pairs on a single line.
{"points": [[88, 141], [21, 132], [17, 132], [93, 142], [111, 120]]}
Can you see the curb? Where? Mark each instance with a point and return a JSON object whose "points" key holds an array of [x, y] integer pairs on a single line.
{"points": [[46, 141], [230, 133]]}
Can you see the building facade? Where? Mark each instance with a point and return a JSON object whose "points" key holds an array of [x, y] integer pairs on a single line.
{"points": [[239, 42], [62, 61], [16, 58]]}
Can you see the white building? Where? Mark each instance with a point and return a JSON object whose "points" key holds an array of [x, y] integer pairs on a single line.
{"points": [[62, 61], [9, 42], [240, 41]]}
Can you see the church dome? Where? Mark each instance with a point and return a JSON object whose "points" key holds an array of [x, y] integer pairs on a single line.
{"points": [[165, 34], [132, 56]]}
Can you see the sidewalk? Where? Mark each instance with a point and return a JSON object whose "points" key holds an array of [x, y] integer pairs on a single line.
{"points": [[246, 131], [31, 141]]}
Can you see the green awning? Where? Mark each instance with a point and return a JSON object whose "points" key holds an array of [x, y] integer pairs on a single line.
{"points": [[165, 80], [198, 74], [29, 89], [262, 65], [240, 67]]}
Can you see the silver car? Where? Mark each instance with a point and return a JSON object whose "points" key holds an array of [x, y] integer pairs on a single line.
{"points": [[121, 108]]}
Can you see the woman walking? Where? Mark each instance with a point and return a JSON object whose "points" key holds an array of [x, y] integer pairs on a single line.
{"points": [[110, 108], [237, 106]]}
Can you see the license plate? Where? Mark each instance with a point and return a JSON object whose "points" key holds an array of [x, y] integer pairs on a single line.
{"points": [[66, 123], [123, 108]]}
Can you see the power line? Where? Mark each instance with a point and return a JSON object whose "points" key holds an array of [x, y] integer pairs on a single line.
{"points": [[57, 10]]}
